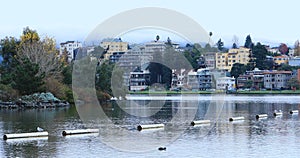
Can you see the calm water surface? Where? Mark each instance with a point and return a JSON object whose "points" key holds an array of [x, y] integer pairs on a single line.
{"points": [[271, 137]]}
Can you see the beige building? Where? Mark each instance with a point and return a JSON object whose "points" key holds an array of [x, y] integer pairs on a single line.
{"points": [[112, 46], [225, 61]]}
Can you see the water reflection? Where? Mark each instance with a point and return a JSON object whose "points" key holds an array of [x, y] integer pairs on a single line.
{"points": [[251, 137]]}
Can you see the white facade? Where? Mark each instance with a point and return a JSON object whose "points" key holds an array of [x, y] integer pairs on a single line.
{"points": [[223, 82], [69, 46], [156, 46]]}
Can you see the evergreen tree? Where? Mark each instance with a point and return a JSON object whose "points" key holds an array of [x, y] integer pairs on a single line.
{"points": [[237, 70], [248, 43], [259, 53], [220, 45], [234, 46], [26, 78]]}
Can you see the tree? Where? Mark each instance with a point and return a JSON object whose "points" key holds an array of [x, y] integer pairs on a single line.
{"points": [[293, 83], [9, 51], [285, 67], [220, 45], [259, 53], [235, 41], [210, 34], [283, 49], [169, 41], [234, 46], [44, 54], [297, 48], [29, 35], [103, 80], [157, 37], [248, 42], [26, 78], [237, 70]]}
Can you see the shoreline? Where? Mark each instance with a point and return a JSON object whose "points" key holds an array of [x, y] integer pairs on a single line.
{"points": [[285, 92]]}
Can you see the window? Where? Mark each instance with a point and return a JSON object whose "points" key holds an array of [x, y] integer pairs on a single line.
{"points": [[233, 56], [233, 61]]}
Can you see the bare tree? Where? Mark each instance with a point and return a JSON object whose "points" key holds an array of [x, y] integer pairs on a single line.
{"points": [[235, 40], [44, 54], [297, 48]]}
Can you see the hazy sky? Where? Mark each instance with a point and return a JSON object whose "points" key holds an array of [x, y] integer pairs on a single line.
{"points": [[265, 20]]}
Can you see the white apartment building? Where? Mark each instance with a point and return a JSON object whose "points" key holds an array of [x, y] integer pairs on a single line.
{"points": [[69, 46]]}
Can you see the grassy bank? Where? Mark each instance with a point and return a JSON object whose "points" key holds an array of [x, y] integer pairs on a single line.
{"points": [[208, 92]]}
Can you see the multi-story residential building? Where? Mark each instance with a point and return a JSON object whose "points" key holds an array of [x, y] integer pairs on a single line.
{"points": [[294, 61], [139, 80], [279, 60], [178, 78], [69, 47], [291, 52], [199, 80], [210, 59], [113, 45], [225, 61], [225, 83], [116, 56], [155, 46], [273, 50], [251, 79], [135, 58], [276, 79]]}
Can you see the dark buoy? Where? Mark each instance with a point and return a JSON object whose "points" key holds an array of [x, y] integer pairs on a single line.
{"points": [[5, 137], [162, 148]]}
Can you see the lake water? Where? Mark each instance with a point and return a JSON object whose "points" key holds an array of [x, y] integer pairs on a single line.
{"points": [[271, 137]]}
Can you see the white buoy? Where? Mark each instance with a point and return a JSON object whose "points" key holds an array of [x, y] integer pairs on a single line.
{"points": [[236, 118], [24, 135], [79, 131], [142, 127], [261, 116], [294, 112], [193, 123], [277, 114]]}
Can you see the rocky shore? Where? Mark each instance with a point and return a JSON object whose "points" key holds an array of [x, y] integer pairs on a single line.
{"points": [[37, 100]]}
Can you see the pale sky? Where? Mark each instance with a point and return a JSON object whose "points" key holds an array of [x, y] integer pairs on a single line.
{"points": [[265, 20]]}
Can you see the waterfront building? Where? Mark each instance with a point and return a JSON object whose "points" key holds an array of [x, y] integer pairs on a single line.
{"points": [[276, 79], [139, 80], [200, 79], [225, 83]]}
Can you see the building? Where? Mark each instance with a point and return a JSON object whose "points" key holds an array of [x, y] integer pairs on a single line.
{"points": [[135, 58], [199, 80], [225, 61], [179, 78], [279, 60], [210, 59], [252, 79], [155, 46], [69, 47], [113, 45], [116, 56], [139, 80], [225, 83], [276, 79], [294, 61]]}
